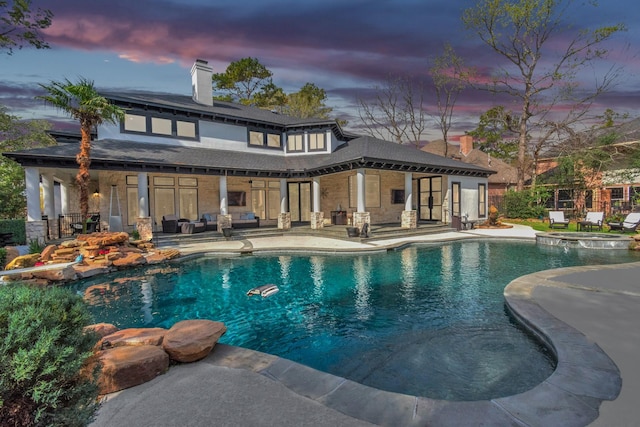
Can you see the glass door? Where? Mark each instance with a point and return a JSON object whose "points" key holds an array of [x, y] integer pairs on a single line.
{"points": [[300, 201], [430, 208]]}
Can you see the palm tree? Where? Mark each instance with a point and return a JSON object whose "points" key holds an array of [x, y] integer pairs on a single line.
{"points": [[82, 102]]}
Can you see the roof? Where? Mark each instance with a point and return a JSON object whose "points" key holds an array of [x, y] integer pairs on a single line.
{"points": [[363, 152], [503, 172], [220, 111]]}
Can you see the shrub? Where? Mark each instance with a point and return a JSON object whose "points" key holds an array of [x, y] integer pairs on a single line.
{"points": [[35, 247], [43, 351], [525, 204], [3, 258], [15, 226]]}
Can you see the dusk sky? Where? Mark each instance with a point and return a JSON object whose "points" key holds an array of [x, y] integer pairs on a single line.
{"points": [[343, 46]]}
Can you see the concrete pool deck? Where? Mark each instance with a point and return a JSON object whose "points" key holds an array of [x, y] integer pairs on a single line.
{"points": [[589, 315]]}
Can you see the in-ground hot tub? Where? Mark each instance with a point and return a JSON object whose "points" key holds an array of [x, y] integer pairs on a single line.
{"points": [[584, 240]]}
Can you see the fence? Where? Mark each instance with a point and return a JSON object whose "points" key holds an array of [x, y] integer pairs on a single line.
{"points": [[71, 223]]}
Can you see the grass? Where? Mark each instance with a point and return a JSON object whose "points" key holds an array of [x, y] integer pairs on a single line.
{"points": [[539, 225]]}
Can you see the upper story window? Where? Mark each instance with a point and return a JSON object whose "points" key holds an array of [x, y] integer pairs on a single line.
{"points": [[264, 139], [317, 141], [295, 142], [162, 126]]}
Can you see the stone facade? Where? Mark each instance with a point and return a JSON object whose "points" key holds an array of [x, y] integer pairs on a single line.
{"points": [[409, 219], [36, 230], [317, 220], [360, 218], [224, 221], [145, 228], [284, 221]]}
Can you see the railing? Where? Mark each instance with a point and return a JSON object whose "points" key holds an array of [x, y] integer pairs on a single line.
{"points": [[71, 223]]}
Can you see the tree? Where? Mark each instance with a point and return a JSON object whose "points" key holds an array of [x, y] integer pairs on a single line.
{"points": [[45, 377], [81, 101], [271, 97], [16, 134], [20, 26], [543, 68], [449, 79], [494, 133], [308, 102], [243, 81], [397, 111]]}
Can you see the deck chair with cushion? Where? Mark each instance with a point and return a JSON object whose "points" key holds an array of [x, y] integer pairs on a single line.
{"points": [[556, 220], [630, 223], [172, 224], [593, 219]]}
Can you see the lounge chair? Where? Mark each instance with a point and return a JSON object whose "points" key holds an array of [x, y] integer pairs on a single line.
{"points": [[556, 220], [592, 219], [630, 223]]}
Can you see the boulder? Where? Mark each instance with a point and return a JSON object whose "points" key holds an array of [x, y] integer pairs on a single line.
{"points": [[101, 329], [128, 366], [191, 340], [65, 274], [161, 256], [134, 336], [129, 260], [23, 261], [46, 253], [84, 271]]}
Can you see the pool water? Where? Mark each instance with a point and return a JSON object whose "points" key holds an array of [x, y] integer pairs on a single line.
{"points": [[425, 320]]}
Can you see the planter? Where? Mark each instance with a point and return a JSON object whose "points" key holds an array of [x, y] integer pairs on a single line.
{"points": [[226, 232]]}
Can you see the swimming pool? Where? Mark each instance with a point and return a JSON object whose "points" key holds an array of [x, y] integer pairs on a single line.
{"points": [[426, 321]]}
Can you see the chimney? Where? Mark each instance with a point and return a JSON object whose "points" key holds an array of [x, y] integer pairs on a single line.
{"points": [[201, 84], [466, 144]]}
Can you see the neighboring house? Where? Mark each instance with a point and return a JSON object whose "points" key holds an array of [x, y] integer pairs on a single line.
{"points": [[615, 190], [191, 155], [504, 178]]}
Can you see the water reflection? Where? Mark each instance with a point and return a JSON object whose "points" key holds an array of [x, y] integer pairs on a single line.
{"points": [[409, 263], [316, 273], [362, 276]]}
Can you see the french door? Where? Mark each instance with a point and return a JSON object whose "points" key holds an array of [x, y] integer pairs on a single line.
{"points": [[300, 201], [430, 208]]}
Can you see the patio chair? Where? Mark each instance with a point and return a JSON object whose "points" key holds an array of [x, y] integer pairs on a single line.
{"points": [[556, 220], [172, 224], [630, 223], [592, 219]]}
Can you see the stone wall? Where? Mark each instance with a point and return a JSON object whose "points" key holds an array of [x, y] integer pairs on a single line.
{"points": [[317, 220], [36, 230], [409, 219], [284, 221]]}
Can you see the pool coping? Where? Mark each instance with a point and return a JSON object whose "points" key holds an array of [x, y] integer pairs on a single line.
{"points": [[571, 396]]}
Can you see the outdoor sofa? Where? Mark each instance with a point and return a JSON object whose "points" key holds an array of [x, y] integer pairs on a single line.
{"points": [[238, 220]]}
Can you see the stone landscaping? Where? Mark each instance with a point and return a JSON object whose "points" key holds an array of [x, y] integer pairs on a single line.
{"points": [[133, 356], [99, 253]]}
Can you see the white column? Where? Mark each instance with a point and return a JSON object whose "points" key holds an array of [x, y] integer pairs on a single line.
{"points": [[284, 202], [64, 198], [223, 195], [143, 195], [32, 180], [408, 191], [360, 182], [316, 194], [47, 195]]}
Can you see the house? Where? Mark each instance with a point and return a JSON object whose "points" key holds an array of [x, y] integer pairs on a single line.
{"points": [[190, 155], [505, 176]]}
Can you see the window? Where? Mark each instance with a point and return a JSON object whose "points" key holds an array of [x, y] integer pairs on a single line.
{"points": [[617, 193], [162, 126], [188, 203], [132, 205], [135, 123], [371, 191], [482, 200], [262, 139], [295, 143], [186, 129], [317, 141], [455, 198], [397, 197], [565, 199], [588, 199]]}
